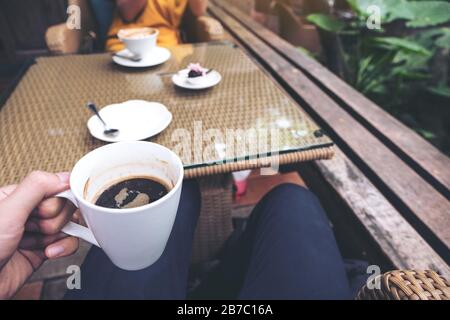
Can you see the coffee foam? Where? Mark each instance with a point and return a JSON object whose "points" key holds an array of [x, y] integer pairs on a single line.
{"points": [[136, 33]]}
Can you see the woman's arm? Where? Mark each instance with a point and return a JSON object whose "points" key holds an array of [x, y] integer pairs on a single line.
{"points": [[130, 9], [198, 7]]}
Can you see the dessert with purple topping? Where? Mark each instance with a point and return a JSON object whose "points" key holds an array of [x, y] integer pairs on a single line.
{"points": [[196, 70], [196, 73]]}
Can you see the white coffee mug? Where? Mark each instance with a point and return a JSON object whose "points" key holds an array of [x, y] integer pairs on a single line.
{"points": [[141, 46], [132, 238]]}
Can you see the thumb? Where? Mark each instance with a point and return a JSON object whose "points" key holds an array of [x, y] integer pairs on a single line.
{"points": [[29, 193]]}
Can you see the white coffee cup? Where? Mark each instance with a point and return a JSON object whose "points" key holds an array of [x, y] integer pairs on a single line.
{"points": [[132, 238], [140, 46]]}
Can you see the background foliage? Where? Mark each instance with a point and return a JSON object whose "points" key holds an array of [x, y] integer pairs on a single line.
{"points": [[403, 65]]}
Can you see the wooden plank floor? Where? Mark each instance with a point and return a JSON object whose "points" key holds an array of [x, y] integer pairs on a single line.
{"points": [[258, 186]]}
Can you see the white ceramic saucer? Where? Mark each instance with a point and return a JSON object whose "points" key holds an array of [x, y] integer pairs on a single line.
{"points": [[135, 119], [157, 56], [180, 79]]}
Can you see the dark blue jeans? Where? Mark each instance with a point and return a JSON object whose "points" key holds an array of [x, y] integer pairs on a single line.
{"points": [[287, 251]]}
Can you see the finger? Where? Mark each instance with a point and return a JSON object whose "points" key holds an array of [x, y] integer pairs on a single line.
{"points": [[34, 241], [53, 225], [49, 208], [29, 193], [6, 191], [25, 263], [62, 248], [76, 216], [34, 257]]}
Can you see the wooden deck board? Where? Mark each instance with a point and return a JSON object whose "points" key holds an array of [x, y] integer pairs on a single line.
{"points": [[401, 243]]}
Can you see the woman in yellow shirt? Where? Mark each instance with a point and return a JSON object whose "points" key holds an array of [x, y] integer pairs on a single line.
{"points": [[165, 15]]}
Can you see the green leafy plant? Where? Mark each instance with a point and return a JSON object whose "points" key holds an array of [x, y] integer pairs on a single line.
{"points": [[417, 13], [326, 22], [386, 67]]}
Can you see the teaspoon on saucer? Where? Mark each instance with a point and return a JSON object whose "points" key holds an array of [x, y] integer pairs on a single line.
{"points": [[134, 58], [108, 130]]}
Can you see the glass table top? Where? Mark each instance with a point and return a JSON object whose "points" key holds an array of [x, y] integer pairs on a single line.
{"points": [[247, 115]]}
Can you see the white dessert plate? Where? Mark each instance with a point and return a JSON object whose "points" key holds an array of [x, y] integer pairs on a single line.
{"points": [[181, 79], [135, 119]]}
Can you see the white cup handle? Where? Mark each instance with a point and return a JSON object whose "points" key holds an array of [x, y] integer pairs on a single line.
{"points": [[75, 229]]}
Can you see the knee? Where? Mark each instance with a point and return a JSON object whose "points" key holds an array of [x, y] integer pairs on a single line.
{"points": [[289, 192], [292, 202]]}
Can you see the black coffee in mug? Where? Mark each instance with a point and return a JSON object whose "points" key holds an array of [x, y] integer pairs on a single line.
{"points": [[132, 192]]}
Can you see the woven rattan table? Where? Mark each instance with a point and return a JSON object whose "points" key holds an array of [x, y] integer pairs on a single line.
{"points": [[43, 123]]}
